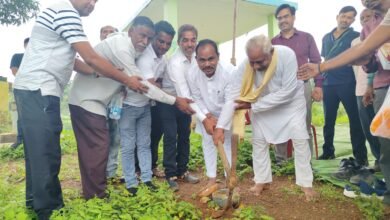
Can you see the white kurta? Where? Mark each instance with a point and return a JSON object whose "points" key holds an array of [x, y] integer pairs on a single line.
{"points": [[279, 114], [212, 95]]}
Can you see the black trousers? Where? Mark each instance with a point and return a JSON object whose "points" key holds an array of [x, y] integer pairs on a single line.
{"points": [[176, 130], [345, 94], [155, 135], [41, 125]]}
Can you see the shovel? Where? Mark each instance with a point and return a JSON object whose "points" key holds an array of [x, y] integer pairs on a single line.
{"points": [[231, 179]]}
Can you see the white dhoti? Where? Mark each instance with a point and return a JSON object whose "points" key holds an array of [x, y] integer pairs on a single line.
{"points": [[210, 151], [278, 126]]}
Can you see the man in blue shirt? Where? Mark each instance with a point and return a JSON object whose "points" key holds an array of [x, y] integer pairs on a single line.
{"points": [[339, 86]]}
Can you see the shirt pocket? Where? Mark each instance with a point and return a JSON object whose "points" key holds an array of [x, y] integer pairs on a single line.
{"points": [[219, 96]]}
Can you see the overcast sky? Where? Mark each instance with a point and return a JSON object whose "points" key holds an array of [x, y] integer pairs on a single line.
{"points": [[317, 17]]}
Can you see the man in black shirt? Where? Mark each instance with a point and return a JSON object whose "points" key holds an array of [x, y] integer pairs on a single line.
{"points": [[14, 66]]}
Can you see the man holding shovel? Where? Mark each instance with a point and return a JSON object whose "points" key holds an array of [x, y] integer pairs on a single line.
{"points": [[208, 82], [266, 83]]}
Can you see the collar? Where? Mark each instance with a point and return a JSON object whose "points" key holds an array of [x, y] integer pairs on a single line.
{"points": [[183, 58], [217, 70], [210, 78], [149, 50], [349, 29], [296, 32]]}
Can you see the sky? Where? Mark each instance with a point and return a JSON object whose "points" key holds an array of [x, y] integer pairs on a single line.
{"points": [[317, 17]]}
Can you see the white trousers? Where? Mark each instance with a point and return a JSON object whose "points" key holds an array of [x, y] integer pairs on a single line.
{"points": [[210, 151], [262, 162]]}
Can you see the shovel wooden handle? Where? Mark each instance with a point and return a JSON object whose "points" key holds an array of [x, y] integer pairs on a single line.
{"points": [[224, 159]]}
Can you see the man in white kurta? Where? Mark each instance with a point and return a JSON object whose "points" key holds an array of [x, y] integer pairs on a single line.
{"points": [[279, 112], [208, 82]]}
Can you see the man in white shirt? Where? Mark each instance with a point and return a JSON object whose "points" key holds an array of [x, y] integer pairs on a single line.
{"points": [[153, 64], [45, 70], [209, 85], [176, 124], [89, 98], [278, 112]]}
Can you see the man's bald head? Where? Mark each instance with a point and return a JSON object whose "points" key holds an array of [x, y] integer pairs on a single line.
{"points": [[259, 51], [106, 30]]}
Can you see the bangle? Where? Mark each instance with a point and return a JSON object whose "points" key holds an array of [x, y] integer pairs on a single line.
{"points": [[321, 67]]}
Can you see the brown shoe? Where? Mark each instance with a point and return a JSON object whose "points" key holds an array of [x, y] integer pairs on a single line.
{"points": [[158, 173]]}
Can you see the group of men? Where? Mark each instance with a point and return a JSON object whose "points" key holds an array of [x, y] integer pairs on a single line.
{"points": [[131, 68]]}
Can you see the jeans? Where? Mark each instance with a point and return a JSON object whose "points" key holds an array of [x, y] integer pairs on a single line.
{"points": [[135, 126], [333, 95], [41, 124], [366, 115], [112, 163], [176, 129]]}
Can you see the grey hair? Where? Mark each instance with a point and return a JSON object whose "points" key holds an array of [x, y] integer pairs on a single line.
{"points": [[259, 41]]}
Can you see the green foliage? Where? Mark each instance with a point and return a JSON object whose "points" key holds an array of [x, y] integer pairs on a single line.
{"points": [[291, 191], [8, 154], [68, 142], [251, 213], [342, 117], [5, 122], [12, 196], [196, 152], [317, 112], [330, 192], [68, 146], [372, 208], [284, 169], [146, 205], [16, 12], [244, 159]]}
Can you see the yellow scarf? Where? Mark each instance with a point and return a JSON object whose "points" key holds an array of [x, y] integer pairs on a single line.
{"points": [[249, 94]]}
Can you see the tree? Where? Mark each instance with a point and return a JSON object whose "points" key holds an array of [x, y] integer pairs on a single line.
{"points": [[16, 12]]}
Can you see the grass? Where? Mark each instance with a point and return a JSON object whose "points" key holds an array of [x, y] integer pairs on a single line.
{"points": [[119, 206], [163, 205], [318, 115]]}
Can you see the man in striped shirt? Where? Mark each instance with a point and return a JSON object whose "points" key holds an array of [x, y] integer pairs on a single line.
{"points": [[45, 70]]}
